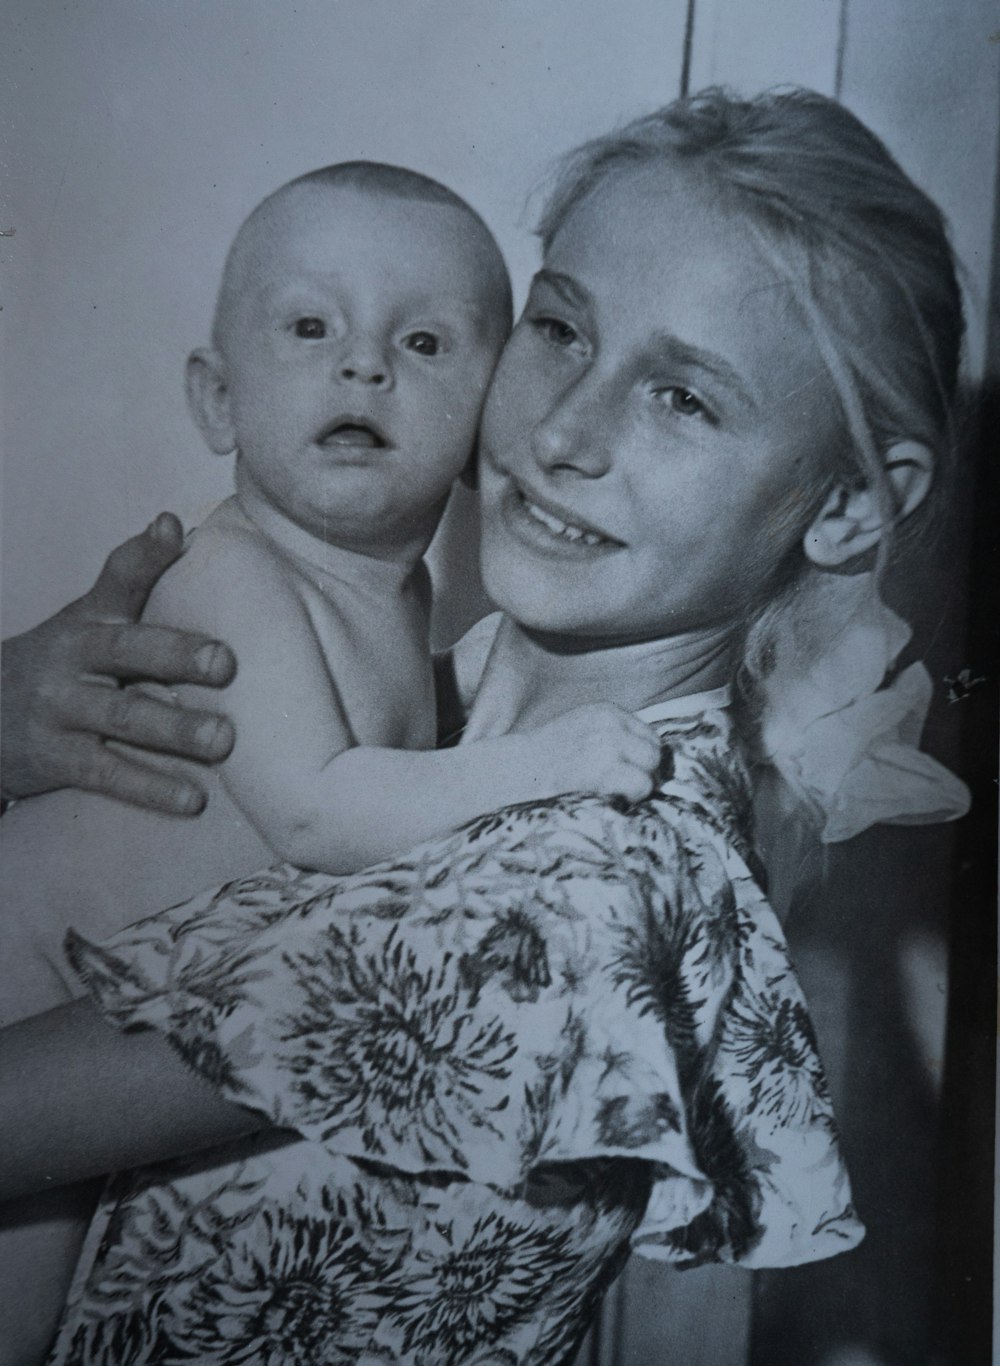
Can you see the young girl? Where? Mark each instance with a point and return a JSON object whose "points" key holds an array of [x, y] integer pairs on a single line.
{"points": [[569, 1028]]}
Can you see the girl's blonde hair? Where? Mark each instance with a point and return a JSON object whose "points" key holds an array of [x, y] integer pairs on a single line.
{"points": [[863, 250]]}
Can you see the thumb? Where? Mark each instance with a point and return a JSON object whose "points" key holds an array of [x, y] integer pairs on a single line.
{"points": [[131, 570]]}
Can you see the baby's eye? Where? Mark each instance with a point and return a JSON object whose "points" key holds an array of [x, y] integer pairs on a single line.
{"points": [[554, 330], [310, 329], [424, 343]]}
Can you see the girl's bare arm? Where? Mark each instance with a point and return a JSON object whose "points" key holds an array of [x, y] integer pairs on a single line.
{"points": [[79, 1098]]}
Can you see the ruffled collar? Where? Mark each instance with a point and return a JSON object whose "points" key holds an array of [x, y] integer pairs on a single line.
{"points": [[692, 705]]}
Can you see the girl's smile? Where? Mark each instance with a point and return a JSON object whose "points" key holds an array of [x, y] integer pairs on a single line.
{"points": [[550, 526], [650, 442]]}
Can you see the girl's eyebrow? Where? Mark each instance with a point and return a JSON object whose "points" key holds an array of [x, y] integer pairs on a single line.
{"points": [[678, 352], [568, 289]]}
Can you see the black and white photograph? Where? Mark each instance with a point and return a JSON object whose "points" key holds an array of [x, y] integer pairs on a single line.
{"points": [[500, 657]]}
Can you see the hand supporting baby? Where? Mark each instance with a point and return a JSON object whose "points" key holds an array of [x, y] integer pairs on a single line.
{"points": [[60, 705]]}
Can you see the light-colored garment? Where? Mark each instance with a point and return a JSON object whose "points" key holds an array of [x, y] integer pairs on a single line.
{"points": [[840, 725], [568, 1029]]}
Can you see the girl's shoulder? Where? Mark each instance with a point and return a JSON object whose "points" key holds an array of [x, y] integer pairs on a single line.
{"points": [[704, 771]]}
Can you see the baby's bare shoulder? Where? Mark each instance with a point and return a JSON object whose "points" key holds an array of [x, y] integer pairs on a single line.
{"points": [[228, 567]]}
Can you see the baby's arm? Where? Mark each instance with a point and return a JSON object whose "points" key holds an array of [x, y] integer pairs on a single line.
{"points": [[382, 801], [315, 797]]}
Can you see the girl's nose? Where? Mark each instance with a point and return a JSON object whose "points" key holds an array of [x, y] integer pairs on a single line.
{"points": [[573, 435]]}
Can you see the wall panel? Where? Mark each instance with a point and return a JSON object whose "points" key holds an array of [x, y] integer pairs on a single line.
{"points": [[925, 76], [752, 44]]}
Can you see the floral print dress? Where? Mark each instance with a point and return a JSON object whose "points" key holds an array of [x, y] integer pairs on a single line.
{"points": [[567, 1031]]}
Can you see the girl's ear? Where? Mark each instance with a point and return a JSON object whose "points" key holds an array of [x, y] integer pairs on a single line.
{"points": [[851, 520], [207, 388]]}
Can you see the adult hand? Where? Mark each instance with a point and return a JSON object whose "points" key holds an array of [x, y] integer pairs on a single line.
{"points": [[60, 704]]}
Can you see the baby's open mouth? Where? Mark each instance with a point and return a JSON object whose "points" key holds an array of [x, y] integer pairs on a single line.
{"points": [[350, 431]]}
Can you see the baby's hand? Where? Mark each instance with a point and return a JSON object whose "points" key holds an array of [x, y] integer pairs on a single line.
{"points": [[600, 748]]}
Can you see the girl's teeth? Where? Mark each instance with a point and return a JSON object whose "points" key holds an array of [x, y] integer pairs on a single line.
{"points": [[559, 527], [546, 519]]}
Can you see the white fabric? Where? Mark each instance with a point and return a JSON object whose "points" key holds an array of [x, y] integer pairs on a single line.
{"points": [[847, 745]]}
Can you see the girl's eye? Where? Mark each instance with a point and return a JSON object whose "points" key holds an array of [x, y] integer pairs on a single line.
{"points": [[310, 329], [424, 343], [554, 330], [683, 402]]}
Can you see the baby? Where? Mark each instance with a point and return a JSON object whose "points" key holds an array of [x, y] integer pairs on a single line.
{"points": [[361, 313], [362, 310]]}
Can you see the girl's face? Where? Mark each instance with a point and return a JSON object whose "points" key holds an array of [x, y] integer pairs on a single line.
{"points": [[651, 443]]}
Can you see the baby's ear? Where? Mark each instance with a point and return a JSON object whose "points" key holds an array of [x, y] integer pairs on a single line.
{"points": [[852, 520], [207, 388]]}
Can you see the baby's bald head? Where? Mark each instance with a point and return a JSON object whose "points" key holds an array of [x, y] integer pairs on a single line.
{"points": [[263, 231], [362, 312]]}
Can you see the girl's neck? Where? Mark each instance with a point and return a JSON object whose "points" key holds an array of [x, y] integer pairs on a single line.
{"points": [[530, 679]]}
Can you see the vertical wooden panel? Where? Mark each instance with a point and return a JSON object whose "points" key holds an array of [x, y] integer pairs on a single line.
{"points": [[926, 77], [752, 44]]}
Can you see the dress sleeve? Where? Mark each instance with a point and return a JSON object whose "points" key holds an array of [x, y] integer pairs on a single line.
{"points": [[562, 981]]}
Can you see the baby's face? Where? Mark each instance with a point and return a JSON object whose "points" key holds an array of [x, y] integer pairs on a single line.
{"points": [[357, 351]]}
